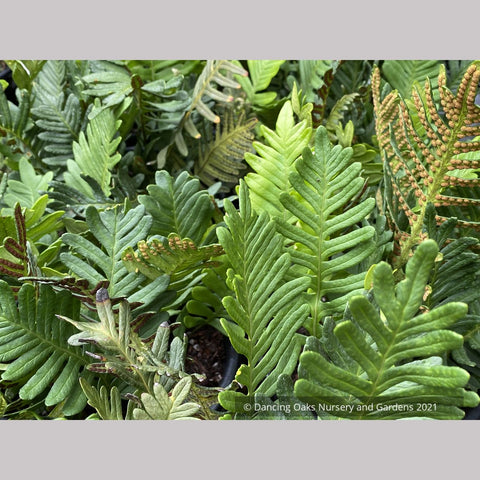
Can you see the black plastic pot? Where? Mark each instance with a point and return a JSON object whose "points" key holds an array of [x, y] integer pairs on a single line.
{"points": [[6, 74]]}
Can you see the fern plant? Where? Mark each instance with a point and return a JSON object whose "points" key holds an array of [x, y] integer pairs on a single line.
{"points": [[429, 154], [153, 367], [388, 364]]}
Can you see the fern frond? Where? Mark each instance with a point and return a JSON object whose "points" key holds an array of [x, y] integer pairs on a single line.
{"points": [[56, 113], [274, 162], [96, 152], [114, 230], [403, 74], [107, 404], [222, 159], [328, 244], [34, 345], [266, 310], [162, 406], [391, 366], [424, 145], [178, 206]]}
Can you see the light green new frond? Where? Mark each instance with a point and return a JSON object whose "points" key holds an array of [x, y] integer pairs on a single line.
{"points": [[96, 152], [329, 246], [108, 406], [274, 161], [395, 369], [33, 345], [266, 311]]}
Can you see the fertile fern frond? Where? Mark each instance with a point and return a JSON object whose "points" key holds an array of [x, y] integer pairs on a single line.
{"points": [[214, 74], [222, 158], [389, 365], [33, 345], [57, 114], [329, 245], [114, 230], [274, 161], [178, 205], [266, 310], [13, 254], [430, 154], [178, 258]]}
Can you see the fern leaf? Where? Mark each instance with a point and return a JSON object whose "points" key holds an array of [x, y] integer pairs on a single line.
{"points": [[108, 407], [423, 144], [26, 190], [222, 159], [274, 162], [178, 206], [394, 363], [161, 406], [33, 343], [56, 113], [95, 153], [266, 310], [115, 230], [403, 74], [329, 246]]}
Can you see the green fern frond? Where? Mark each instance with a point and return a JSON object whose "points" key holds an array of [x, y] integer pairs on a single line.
{"points": [[255, 85], [57, 113], [274, 161], [178, 205], [266, 310], [114, 230], [26, 190], [164, 406], [96, 153], [107, 404], [222, 159], [328, 243], [391, 360], [34, 346], [403, 74]]}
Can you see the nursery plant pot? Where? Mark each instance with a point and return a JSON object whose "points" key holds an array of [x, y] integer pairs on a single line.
{"points": [[210, 353]]}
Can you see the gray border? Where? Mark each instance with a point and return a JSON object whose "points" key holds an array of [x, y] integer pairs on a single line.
{"points": [[248, 29]]}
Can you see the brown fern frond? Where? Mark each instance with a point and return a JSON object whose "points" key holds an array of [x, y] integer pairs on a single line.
{"points": [[426, 147]]}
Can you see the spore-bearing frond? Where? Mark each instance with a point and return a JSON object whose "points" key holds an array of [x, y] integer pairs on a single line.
{"points": [[431, 151]]}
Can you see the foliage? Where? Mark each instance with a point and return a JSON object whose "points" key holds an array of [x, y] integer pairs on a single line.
{"points": [[321, 214], [387, 367]]}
